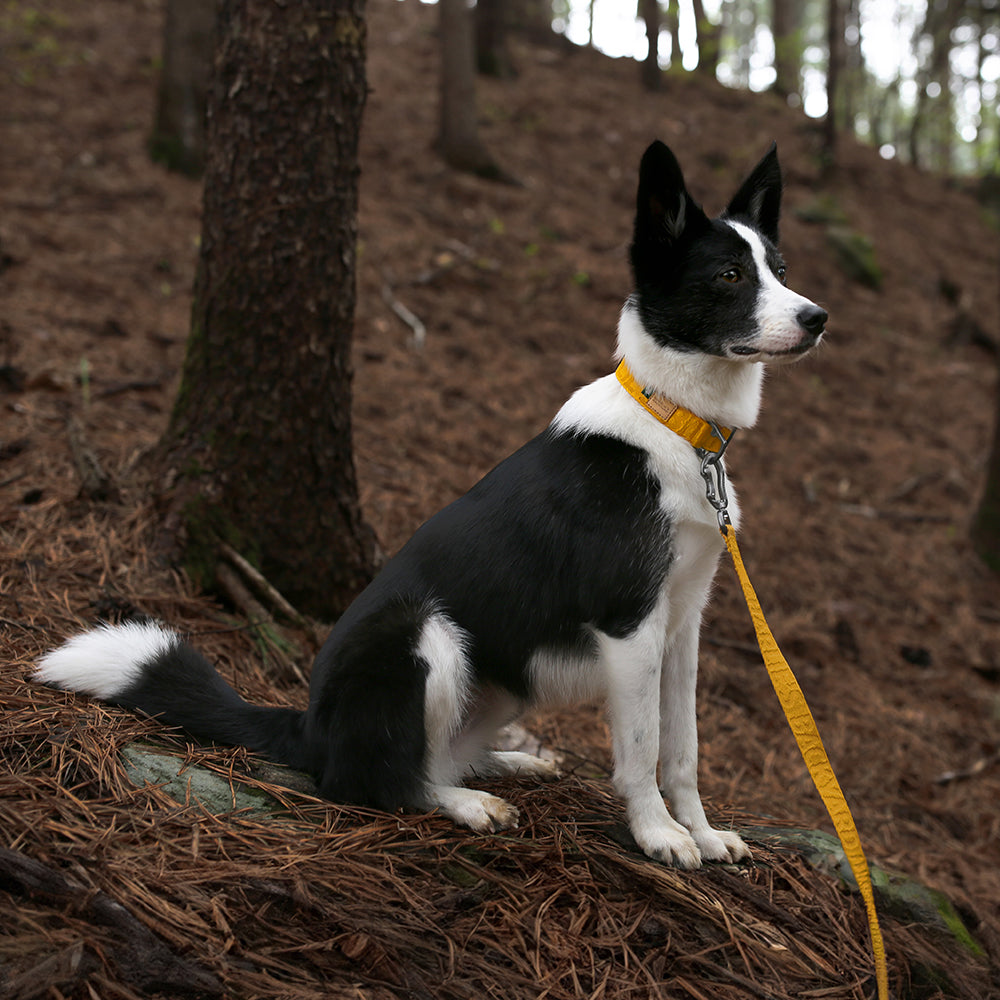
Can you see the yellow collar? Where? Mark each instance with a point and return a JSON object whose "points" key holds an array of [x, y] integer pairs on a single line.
{"points": [[693, 429]]}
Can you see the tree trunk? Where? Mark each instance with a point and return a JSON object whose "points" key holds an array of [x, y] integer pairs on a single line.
{"points": [[986, 523], [834, 65], [178, 137], [532, 20], [493, 56], [458, 138], [786, 26], [709, 41], [650, 69], [671, 18], [934, 75], [258, 450]]}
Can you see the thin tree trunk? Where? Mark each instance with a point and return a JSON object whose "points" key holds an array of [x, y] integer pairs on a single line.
{"points": [[178, 137], [493, 56], [258, 450], [458, 135], [787, 30], [650, 69], [835, 58], [709, 41], [986, 523]]}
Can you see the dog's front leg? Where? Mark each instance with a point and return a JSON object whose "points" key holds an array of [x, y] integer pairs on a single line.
{"points": [[633, 672], [679, 747]]}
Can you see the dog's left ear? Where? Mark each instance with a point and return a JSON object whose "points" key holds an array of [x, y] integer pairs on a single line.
{"points": [[665, 211], [759, 198]]}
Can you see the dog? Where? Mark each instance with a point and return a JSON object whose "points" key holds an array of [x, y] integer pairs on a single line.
{"points": [[578, 567]]}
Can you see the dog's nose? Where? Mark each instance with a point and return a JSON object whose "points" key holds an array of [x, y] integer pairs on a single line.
{"points": [[812, 319]]}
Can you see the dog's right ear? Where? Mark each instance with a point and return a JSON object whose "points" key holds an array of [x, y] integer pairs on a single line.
{"points": [[664, 209]]}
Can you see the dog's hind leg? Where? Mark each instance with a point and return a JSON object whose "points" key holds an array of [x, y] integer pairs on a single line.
{"points": [[459, 725]]}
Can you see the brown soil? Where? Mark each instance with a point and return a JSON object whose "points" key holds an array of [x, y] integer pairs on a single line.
{"points": [[857, 488]]}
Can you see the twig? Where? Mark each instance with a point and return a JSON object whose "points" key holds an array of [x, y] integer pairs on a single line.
{"points": [[256, 578], [409, 318], [268, 592], [95, 483], [143, 959], [459, 253], [28, 627], [235, 590], [750, 648], [866, 510], [970, 772], [137, 385]]}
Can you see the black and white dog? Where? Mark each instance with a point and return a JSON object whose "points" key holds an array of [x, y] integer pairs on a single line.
{"points": [[579, 566]]}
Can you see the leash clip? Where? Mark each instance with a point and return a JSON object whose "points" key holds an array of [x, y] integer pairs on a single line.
{"points": [[714, 474]]}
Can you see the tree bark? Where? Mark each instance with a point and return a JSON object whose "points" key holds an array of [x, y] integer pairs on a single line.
{"points": [[709, 41], [493, 56], [178, 137], [458, 135], [786, 26], [258, 451], [926, 147], [834, 65], [986, 522], [650, 69]]}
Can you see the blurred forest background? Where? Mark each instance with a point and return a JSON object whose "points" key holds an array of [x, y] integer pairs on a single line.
{"points": [[916, 79]]}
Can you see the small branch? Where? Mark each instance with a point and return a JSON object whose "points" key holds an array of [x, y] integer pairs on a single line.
{"points": [[970, 772], [409, 318], [254, 576], [138, 385], [142, 959], [456, 252], [866, 510], [234, 588], [742, 647], [95, 483], [270, 594]]}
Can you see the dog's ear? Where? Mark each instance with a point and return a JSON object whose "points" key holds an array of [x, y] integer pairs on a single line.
{"points": [[759, 199], [664, 209]]}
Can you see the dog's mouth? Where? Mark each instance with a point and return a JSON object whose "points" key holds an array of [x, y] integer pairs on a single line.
{"points": [[751, 352]]}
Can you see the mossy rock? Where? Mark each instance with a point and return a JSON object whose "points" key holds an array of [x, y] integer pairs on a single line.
{"points": [[822, 210], [191, 783], [897, 896], [856, 255]]}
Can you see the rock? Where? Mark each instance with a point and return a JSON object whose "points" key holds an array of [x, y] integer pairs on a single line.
{"points": [[184, 782], [898, 896]]}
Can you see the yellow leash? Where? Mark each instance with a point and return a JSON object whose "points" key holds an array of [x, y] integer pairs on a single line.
{"points": [[790, 696], [803, 727]]}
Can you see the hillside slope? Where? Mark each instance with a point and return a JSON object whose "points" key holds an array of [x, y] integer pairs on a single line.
{"points": [[856, 487]]}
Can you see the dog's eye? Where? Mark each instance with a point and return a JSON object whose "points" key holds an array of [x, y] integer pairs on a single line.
{"points": [[732, 275], [782, 273]]}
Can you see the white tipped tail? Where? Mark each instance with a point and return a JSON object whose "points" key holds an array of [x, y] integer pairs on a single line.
{"points": [[106, 661]]}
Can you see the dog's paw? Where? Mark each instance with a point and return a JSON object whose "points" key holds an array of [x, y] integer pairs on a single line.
{"points": [[491, 814], [516, 764], [477, 810], [535, 767], [721, 845], [671, 846]]}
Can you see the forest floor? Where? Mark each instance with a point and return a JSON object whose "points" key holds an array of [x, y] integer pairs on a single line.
{"points": [[857, 488]]}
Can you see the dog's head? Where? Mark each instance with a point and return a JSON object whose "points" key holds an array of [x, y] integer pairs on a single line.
{"points": [[717, 286]]}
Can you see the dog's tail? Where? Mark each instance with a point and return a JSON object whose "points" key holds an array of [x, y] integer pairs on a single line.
{"points": [[146, 667]]}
